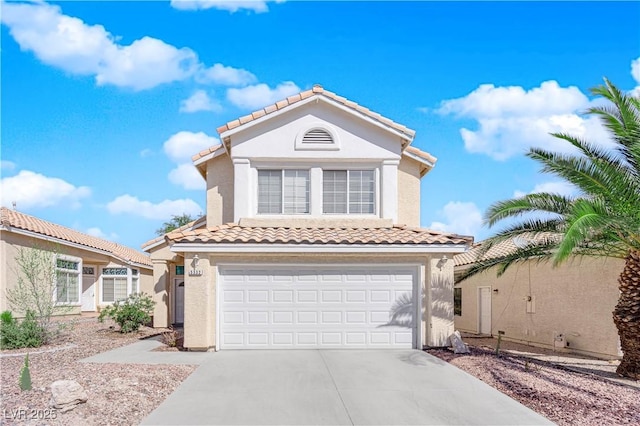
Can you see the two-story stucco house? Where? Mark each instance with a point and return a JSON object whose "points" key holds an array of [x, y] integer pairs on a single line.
{"points": [[311, 237]]}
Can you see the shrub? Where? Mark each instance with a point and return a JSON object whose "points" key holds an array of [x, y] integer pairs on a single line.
{"points": [[172, 338], [27, 333], [130, 313]]}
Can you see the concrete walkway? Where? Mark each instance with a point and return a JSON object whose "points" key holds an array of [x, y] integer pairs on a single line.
{"points": [[336, 387], [141, 352]]}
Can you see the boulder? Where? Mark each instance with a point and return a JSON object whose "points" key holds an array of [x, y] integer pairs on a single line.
{"points": [[66, 394], [459, 347]]}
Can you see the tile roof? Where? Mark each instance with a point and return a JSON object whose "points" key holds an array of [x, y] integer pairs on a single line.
{"points": [[205, 152], [397, 235], [195, 223], [13, 219], [317, 90], [501, 249], [422, 154]]}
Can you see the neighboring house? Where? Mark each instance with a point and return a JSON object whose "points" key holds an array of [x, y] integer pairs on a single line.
{"points": [[311, 237], [90, 272], [568, 308]]}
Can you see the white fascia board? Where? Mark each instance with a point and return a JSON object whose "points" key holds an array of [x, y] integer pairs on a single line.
{"points": [[154, 245], [74, 245], [318, 248], [419, 159], [218, 152], [317, 97]]}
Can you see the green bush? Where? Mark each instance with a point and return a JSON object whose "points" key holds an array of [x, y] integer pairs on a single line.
{"points": [[130, 313], [24, 334]]}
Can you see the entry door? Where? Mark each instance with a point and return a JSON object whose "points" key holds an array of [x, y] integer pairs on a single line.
{"points": [[178, 307], [484, 310], [88, 288]]}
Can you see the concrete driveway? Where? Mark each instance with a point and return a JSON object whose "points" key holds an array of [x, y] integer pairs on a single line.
{"points": [[335, 387]]}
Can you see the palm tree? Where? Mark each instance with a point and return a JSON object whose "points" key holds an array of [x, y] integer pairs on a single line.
{"points": [[602, 220]]}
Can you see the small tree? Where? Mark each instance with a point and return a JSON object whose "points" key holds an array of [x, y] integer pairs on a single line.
{"points": [[35, 289], [175, 223]]}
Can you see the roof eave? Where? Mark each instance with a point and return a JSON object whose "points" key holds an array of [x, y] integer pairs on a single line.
{"points": [[316, 248]]}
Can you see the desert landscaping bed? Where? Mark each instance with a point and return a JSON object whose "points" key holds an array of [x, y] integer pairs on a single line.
{"points": [[563, 396], [117, 393]]}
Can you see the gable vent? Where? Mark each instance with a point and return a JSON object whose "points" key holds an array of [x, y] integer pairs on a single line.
{"points": [[317, 136]]}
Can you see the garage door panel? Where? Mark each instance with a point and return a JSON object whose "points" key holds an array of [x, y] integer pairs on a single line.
{"points": [[315, 308]]}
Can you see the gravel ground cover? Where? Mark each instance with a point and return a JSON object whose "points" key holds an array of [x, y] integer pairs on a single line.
{"points": [[564, 397], [118, 394]]}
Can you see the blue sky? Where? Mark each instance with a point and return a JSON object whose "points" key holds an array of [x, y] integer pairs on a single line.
{"points": [[103, 103]]}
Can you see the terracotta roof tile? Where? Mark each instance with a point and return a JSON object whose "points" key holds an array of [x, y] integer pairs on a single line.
{"points": [[206, 152], [14, 219], [396, 235], [422, 154], [501, 249], [193, 224], [318, 90]]}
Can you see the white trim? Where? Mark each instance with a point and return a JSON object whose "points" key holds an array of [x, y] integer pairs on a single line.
{"points": [[419, 159], [74, 245], [315, 97], [309, 146], [218, 152], [129, 278], [315, 248], [417, 288]]}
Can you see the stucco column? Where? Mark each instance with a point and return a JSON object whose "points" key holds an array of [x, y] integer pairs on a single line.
{"points": [[160, 293], [199, 302], [242, 189], [315, 178], [389, 185], [440, 273]]}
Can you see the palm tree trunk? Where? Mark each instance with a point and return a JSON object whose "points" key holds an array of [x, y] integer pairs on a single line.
{"points": [[626, 316]]}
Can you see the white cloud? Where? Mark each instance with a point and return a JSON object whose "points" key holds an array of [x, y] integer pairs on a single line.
{"points": [[68, 43], [29, 189], [159, 211], [7, 165], [512, 120], [260, 95], [97, 232], [147, 152], [199, 101], [461, 218], [258, 6], [227, 76], [187, 176], [553, 187], [635, 73], [181, 146]]}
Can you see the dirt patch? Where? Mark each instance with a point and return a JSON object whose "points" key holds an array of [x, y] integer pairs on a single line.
{"points": [[118, 393], [564, 397]]}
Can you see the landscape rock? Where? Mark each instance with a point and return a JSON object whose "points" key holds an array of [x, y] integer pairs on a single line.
{"points": [[66, 394], [459, 347]]}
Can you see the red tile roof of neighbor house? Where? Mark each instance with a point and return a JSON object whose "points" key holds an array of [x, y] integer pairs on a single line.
{"points": [[317, 90], [501, 249], [396, 235], [11, 219], [193, 224]]}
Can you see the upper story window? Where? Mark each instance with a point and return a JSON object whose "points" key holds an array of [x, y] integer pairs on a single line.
{"points": [[348, 192], [283, 191], [67, 281]]}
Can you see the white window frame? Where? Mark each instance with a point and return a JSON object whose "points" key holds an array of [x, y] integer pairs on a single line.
{"points": [[376, 191], [129, 277], [78, 273], [283, 202]]}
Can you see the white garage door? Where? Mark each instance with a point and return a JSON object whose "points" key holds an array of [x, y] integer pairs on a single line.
{"points": [[321, 307]]}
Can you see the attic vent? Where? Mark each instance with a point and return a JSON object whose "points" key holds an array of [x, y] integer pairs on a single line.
{"points": [[317, 136]]}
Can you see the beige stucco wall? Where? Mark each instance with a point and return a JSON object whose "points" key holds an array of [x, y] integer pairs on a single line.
{"points": [[11, 243], [409, 192], [219, 191], [575, 299], [436, 280], [164, 274]]}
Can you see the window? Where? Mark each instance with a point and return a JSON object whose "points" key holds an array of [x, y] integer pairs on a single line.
{"points": [[179, 269], [67, 281], [114, 284], [134, 281], [283, 191], [457, 301], [348, 191]]}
